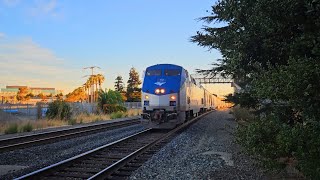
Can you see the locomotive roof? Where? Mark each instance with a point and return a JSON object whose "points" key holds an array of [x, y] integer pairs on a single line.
{"points": [[163, 66]]}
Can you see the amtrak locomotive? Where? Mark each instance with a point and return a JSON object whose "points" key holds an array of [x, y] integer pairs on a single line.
{"points": [[171, 96]]}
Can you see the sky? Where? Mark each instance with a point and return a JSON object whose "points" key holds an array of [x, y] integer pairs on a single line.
{"points": [[47, 43]]}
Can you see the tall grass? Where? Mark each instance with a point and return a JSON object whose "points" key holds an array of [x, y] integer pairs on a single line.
{"points": [[9, 127], [27, 126], [133, 112], [88, 118]]}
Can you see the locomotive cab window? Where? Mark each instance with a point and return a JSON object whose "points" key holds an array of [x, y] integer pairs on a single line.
{"points": [[172, 72], [153, 72]]}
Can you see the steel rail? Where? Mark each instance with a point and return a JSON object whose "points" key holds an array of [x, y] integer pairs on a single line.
{"points": [[105, 174], [60, 169], [36, 174], [46, 137]]}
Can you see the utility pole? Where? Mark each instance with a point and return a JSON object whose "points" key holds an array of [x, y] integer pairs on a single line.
{"points": [[92, 85]]}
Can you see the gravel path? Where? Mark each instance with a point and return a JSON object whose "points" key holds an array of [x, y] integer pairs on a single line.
{"points": [[34, 158], [205, 151]]}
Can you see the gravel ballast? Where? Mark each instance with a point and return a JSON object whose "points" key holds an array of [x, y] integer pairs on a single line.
{"points": [[206, 150], [20, 162]]}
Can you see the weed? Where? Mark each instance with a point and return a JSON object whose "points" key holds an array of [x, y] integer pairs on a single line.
{"points": [[11, 129], [117, 115], [72, 121], [26, 127]]}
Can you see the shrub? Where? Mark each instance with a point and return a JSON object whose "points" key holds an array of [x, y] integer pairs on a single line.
{"points": [[113, 108], [116, 115], [26, 127], [242, 114], [59, 110], [110, 101], [307, 153], [11, 129], [72, 121], [276, 144]]}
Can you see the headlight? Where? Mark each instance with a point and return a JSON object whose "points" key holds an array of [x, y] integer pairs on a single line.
{"points": [[160, 91], [147, 97], [172, 97]]}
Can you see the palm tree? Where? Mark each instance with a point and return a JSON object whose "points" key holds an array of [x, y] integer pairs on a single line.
{"points": [[86, 89], [100, 79], [94, 86], [95, 78], [90, 82]]}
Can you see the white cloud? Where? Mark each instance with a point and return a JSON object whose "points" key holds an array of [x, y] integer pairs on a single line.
{"points": [[45, 8], [2, 35], [23, 62], [10, 3]]}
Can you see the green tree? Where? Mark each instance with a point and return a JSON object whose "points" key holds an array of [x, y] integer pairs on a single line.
{"points": [[76, 95], [133, 90], [118, 84], [22, 94], [100, 79], [272, 49], [110, 101]]}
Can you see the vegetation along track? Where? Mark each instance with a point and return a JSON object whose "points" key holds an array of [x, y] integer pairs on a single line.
{"points": [[116, 160], [53, 136]]}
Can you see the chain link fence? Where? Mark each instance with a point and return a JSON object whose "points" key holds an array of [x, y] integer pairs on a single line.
{"points": [[133, 105], [32, 111]]}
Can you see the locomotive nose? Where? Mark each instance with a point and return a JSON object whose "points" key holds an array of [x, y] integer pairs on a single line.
{"points": [[160, 91]]}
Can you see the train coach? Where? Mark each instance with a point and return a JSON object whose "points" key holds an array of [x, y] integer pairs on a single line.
{"points": [[170, 96]]}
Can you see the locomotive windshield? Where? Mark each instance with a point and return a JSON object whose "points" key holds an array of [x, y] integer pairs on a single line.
{"points": [[172, 72], [153, 72]]}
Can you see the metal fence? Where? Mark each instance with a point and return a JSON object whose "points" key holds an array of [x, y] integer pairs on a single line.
{"points": [[78, 108], [92, 107], [132, 105], [31, 111], [21, 109]]}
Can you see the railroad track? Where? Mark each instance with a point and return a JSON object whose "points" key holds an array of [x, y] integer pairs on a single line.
{"points": [[116, 160], [53, 136]]}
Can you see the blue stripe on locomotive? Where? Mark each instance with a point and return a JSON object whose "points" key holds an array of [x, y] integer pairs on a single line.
{"points": [[171, 84]]}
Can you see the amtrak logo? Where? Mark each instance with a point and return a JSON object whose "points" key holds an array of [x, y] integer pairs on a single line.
{"points": [[160, 82]]}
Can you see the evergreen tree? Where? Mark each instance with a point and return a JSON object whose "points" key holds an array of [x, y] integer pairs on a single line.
{"points": [[133, 90], [118, 84], [272, 47]]}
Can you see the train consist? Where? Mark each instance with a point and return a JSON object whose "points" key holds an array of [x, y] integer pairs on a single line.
{"points": [[170, 96]]}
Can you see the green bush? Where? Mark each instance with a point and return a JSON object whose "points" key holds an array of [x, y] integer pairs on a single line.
{"points": [[26, 128], [242, 114], [116, 115], [72, 121], [110, 101], [271, 140], [114, 108], [13, 128], [59, 110], [308, 149]]}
